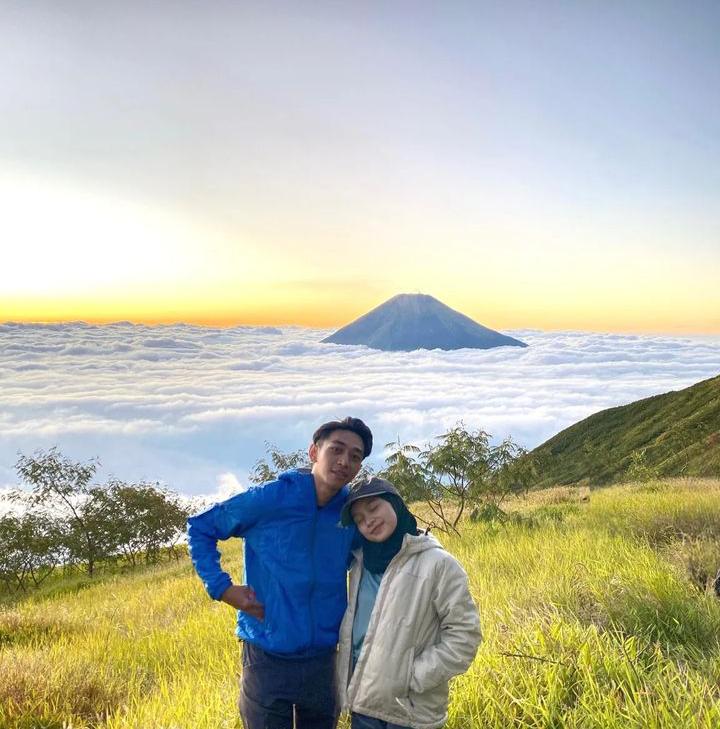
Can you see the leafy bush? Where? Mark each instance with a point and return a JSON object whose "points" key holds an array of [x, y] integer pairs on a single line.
{"points": [[460, 470]]}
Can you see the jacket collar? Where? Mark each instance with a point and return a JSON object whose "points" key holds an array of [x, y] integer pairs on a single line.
{"points": [[412, 544], [303, 477]]}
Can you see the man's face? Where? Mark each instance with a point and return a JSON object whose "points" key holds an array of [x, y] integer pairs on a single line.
{"points": [[337, 459]]}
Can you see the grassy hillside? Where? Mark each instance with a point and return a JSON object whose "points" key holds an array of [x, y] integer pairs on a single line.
{"points": [[679, 432], [595, 614]]}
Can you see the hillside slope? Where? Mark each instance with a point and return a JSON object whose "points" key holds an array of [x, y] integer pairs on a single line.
{"points": [[679, 431]]}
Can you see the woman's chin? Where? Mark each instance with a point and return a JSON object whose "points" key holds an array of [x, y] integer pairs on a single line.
{"points": [[379, 537]]}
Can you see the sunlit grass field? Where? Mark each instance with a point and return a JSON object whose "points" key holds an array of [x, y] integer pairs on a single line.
{"points": [[596, 610]]}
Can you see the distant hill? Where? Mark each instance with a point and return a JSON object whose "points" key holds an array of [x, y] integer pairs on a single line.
{"points": [[679, 431], [417, 321]]}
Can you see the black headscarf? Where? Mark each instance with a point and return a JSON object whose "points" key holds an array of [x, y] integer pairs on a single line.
{"points": [[377, 555]]}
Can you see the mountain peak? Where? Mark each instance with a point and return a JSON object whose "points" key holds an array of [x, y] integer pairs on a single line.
{"points": [[407, 322]]}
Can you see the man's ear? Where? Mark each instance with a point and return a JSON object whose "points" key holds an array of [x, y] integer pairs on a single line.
{"points": [[312, 452]]}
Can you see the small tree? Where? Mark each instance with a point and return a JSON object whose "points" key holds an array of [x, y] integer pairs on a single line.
{"points": [[42, 538], [140, 519], [511, 472], [404, 471], [61, 488], [461, 470], [456, 467], [264, 471], [30, 549], [13, 566], [443, 476], [639, 469]]}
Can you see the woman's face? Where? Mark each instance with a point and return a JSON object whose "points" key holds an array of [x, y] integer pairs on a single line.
{"points": [[374, 517]]}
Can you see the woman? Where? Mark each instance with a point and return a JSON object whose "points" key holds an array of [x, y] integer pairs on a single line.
{"points": [[411, 623]]}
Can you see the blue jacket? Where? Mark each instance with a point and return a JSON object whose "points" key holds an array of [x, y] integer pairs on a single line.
{"points": [[296, 558]]}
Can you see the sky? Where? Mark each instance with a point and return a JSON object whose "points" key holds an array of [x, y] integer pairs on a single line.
{"points": [[192, 406], [550, 166]]}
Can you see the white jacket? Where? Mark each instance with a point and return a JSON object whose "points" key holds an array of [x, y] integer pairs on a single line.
{"points": [[424, 629]]}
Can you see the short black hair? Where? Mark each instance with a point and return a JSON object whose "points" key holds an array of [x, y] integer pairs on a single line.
{"points": [[354, 425]]}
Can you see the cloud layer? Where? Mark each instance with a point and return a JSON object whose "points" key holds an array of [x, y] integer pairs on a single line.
{"points": [[192, 406]]}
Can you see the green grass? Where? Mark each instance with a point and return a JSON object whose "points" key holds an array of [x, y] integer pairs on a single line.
{"points": [[594, 611]]}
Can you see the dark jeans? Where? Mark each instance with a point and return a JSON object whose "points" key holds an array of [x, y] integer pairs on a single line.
{"points": [[273, 690], [360, 721]]}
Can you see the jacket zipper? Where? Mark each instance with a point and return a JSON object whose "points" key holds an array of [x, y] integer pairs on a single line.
{"points": [[379, 601], [352, 600], [312, 580]]}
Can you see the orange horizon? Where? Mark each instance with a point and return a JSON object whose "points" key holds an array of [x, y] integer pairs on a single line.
{"points": [[234, 320]]}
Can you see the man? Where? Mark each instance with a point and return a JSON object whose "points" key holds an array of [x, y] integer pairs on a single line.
{"points": [[294, 597]]}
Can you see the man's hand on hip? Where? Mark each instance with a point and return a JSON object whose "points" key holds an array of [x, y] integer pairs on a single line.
{"points": [[242, 597]]}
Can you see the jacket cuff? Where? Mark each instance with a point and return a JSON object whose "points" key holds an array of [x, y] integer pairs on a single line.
{"points": [[216, 589]]}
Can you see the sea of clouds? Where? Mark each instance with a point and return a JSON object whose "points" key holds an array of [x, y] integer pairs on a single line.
{"points": [[192, 407]]}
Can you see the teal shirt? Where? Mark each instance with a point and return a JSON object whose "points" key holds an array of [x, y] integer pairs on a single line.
{"points": [[369, 586]]}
